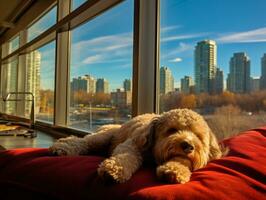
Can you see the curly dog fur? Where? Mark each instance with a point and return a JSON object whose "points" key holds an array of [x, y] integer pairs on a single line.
{"points": [[179, 140]]}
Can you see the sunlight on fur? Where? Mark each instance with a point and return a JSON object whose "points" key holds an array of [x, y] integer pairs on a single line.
{"points": [[179, 141]]}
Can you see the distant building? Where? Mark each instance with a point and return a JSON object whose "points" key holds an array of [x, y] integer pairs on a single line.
{"points": [[219, 81], [186, 84], [263, 73], [238, 80], [121, 98], [33, 79], [127, 85], [205, 66], [84, 83], [10, 85], [254, 84], [102, 86], [166, 80]]}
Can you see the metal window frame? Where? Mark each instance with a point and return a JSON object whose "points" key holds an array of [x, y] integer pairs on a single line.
{"points": [[146, 57], [62, 67]]}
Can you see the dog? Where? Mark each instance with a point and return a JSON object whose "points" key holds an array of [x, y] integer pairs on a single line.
{"points": [[180, 141]]}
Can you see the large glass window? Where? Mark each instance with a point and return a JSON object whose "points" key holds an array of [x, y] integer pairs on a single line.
{"points": [[101, 69], [42, 24], [213, 60], [40, 79]]}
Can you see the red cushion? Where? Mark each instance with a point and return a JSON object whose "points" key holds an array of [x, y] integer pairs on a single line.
{"points": [[33, 174]]}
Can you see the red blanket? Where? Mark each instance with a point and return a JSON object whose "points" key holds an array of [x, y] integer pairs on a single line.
{"points": [[33, 174]]}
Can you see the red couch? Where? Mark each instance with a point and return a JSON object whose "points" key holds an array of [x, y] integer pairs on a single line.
{"points": [[33, 174]]}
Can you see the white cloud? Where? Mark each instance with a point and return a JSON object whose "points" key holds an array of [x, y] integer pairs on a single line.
{"points": [[182, 48], [255, 35], [169, 28], [92, 59], [176, 60], [105, 43], [183, 37], [115, 48]]}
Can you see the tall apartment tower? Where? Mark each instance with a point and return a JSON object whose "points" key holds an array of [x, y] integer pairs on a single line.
{"points": [[127, 85], [186, 84], [84, 83], [102, 85], [263, 73], [33, 80], [11, 85], [238, 80], [205, 66], [166, 80], [219, 81]]}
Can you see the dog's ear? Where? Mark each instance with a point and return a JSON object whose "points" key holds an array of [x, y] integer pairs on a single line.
{"points": [[215, 149], [146, 140], [150, 136]]}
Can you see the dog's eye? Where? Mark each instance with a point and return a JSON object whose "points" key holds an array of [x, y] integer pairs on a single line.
{"points": [[171, 130]]}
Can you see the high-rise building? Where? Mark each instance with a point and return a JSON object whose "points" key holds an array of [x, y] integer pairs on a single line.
{"points": [[166, 80], [102, 85], [84, 83], [186, 84], [219, 81], [121, 98], [238, 80], [11, 85], [205, 66], [127, 85], [33, 80], [263, 73]]}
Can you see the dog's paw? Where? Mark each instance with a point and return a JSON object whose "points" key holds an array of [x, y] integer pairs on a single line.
{"points": [[173, 173], [59, 149], [70, 146], [111, 171]]}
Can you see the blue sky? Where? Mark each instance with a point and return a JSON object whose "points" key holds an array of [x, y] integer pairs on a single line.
{"points": [[47, 68], [102, 47]]}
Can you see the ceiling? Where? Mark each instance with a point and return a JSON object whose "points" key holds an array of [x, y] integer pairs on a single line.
{"points": [[11, 11]]}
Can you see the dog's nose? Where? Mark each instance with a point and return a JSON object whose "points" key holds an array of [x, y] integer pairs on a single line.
{"points": [[186, 147]]}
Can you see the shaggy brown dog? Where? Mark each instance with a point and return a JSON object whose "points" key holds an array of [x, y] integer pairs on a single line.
{"points": [[179, 140]]}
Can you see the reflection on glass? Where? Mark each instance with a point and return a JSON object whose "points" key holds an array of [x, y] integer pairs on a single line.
{"points": [[77, 3], [42, 24], [14, 44], [101, 69], [213, 64], [40, 74]]}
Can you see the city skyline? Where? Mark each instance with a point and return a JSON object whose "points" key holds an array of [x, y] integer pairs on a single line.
{"points": [[112, 38], [239, 67], [91, 84], [167, 78]]}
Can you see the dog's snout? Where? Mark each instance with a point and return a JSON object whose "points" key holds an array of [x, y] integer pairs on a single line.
{"points": [[186, 147]]}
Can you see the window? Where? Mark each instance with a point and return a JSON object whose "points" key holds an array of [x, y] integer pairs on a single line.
{"points": [[14, 44], [212, 63], [42, 24], [40, 75], [101, 69]]}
